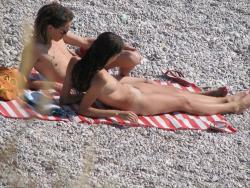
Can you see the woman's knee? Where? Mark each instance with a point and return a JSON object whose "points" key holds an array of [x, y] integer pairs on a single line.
{"points": [[137, 57], [133, 56]]}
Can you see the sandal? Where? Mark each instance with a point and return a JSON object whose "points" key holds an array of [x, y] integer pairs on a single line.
{"points": [[178, 77], [216, 92], [221, 126]]}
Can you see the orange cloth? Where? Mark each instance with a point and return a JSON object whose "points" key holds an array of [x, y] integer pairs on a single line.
{"points": [[10, 78]]}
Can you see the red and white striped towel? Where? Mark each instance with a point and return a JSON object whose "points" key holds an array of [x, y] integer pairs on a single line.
{"points": [[173, 121]]}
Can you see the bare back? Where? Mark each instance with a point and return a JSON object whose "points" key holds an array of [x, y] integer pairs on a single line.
{"points": [[116, 94]]}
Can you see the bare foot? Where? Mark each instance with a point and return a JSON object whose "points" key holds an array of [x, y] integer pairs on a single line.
{"points": [[237, 96], [219, 92], [243, 104]]}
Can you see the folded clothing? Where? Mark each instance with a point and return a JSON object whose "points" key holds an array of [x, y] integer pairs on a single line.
{"points": [[43, 103], [10, 82]]}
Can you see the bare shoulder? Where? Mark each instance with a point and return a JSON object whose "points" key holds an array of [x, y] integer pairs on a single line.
{"points": [[100, 78], [34, 48], [30, 56], [40, 57], [40, 49]]}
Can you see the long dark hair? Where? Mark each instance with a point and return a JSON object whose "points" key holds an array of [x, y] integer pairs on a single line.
{"points": [[51, 14], [103, 48]]}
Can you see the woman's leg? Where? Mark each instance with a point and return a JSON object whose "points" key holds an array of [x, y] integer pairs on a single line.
{"points": [[172, 91], [151, 104], [126, 61], [133, 80], [219, 92]]}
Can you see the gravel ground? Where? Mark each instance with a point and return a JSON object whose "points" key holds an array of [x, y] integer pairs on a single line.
{"points": [[209, 40]]}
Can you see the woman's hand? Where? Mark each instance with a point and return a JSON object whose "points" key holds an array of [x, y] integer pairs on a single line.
{"points": [[151, 81], [128, 47], [58, 86], [128, 115]]}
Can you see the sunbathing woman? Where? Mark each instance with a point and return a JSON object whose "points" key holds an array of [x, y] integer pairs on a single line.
{"points": [[48, 53], [130, 97]]}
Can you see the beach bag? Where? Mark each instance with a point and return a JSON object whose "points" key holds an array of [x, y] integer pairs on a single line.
{"points": [[10, 78]]}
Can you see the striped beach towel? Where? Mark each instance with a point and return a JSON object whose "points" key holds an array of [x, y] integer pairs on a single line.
{"points": [[174, 121]]}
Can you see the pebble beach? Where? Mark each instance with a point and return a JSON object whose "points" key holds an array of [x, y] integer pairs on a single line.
{"points": [[207, 40]]}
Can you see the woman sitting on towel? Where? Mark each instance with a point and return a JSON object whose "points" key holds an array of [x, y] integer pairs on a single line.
{"points": [[129, 96]]}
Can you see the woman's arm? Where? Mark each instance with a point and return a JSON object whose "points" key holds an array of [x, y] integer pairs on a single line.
{"points": [[92, 94], [44, 85], [30, 55], [126, 115], [75, 40], [66, 94], [95, 112], [90, 97], [86, 109], [86, 42], [28, 60]]}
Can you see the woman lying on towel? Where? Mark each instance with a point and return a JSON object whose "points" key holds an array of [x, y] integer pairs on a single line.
{"points": [[129, 96]]}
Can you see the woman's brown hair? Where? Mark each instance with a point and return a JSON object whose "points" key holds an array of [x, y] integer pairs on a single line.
{"points": [[51, 14], [103, 48]]}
